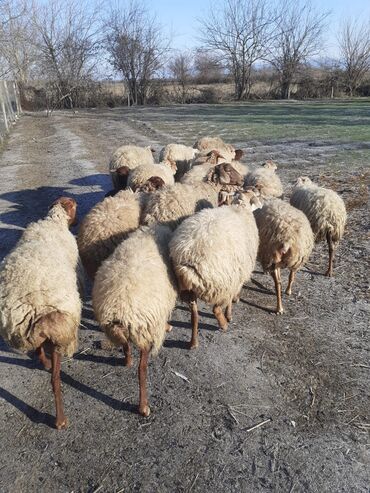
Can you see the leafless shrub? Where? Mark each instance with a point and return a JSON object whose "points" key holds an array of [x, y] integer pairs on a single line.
{"points": [[240, 31], [137, 48], [298, 36], [181, 69], [354, 44]]}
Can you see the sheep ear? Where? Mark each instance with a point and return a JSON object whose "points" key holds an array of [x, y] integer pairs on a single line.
{"points": [[70, 206], [210, 175]]}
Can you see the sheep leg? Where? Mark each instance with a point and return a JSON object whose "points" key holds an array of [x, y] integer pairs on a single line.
{"points": [[277, 280], [60, 421], [329, 239], [290, 282], [128, 354], [228, 312], [168, 327], [44, 360], [194, 342], [144, 408], [222, 322]]}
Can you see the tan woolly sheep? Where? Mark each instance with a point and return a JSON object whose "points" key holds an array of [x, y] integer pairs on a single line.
{"points": [[286, 241], [265, 180], [133, 296], [213, 253], [174, 204], [325, 211], [130, 156], [40, 307], [181, 155]]}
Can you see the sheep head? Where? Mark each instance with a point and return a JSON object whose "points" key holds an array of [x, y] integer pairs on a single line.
{"points": [[303, 181], [122, 177], [154, 183], [249, 198], [224, 174], [70, 206], [238, 154], [213, 157], [269, 164]]}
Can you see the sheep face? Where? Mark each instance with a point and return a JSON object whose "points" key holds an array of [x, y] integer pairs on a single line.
{"points": [[238, 155], [154, 183], [213, 157], [224, 174], [248, 198], [303, 181], [70, 206], [270, 165]]}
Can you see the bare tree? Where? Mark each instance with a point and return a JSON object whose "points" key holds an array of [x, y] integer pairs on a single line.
{"points": [[181, 69], [240, 31], [354, 44], [299, 29], [137, 48], [16, 34], [67, 41], [207, 67]]}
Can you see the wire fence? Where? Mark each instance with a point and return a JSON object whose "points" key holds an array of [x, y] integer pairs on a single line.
{"points": [[10, 107]]}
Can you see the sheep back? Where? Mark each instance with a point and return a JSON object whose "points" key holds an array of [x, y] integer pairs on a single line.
{"points": [[106, 225], [38, 278], [282, 225], [141, 174], [135, 288], [214, 252], [266, 180], [324, 209], [172, 205]]}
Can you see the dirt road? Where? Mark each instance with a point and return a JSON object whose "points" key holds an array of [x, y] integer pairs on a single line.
{"points": [[305, 374]]}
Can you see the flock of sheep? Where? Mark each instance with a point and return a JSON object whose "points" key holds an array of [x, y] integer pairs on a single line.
{"points": [[191, 227]]}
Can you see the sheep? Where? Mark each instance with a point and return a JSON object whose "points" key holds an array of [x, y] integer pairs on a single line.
{"points": [[40, 307], [180, 154], [213, 253], [204, 162], [174, 204], [265, 180], [141, 174], [130, 156], [326, 212], [206, 144], [120, 180], [133, 296], [286, 241]]}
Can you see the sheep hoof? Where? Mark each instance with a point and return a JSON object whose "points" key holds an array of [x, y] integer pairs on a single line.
{"points": [[144, 411], [279, 311], [193, 344], [288, 292], [127, 362], [328, 273], [169, 328], [61, 424], [223, 327]]}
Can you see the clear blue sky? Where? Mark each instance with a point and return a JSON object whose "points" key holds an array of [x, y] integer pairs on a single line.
{"points": [[179, 17]]}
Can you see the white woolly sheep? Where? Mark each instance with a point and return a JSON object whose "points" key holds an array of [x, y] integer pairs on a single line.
{"points": [[106, 225], [133, 296], [181, 155], [265, 180], [141, 174], [40, 307], [213, 253], [130, 156], [204, 162], [174, 204], [286, 241], [326, 212]]}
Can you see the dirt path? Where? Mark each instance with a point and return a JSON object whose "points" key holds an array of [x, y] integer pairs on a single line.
{"points": [[307, 371]]}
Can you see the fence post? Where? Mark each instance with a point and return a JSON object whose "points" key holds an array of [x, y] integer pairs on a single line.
{"points": [[2, 91]]}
